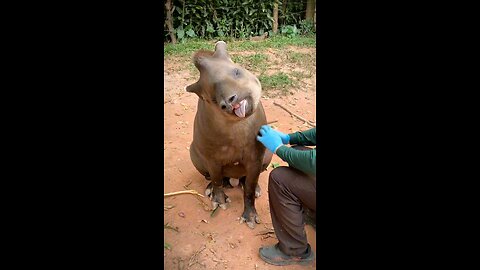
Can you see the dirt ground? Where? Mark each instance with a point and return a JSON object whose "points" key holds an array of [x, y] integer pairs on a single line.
{"points": [[218, 242]]}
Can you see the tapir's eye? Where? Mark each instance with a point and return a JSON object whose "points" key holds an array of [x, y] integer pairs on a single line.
{"points": [[236, 73]]}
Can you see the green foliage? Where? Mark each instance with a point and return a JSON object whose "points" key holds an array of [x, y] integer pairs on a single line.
{"points": [[219, 18], [290, 30], [306, 27], [292, 15], [239, 19]]}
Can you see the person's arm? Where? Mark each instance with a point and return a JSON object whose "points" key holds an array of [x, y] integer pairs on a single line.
{"points": [[274, 141], [304, 161], [304, 138]]}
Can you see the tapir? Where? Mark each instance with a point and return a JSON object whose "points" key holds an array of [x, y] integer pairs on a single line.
{"points": [[228, 118]]}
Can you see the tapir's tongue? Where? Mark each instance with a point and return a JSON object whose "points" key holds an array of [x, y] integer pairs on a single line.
{"points": [[240, 110]]}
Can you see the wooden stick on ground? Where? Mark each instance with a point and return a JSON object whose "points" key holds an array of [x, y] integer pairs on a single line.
{"points": [[205, 206], [271, 122], [194, 192], [294, 114]]}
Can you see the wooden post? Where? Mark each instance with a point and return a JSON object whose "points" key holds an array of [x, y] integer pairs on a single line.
{"points": [[275, 16], [171, 30], [284, 10], [310, 10]]}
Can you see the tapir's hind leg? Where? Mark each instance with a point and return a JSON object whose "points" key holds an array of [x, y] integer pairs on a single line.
{"points": [[198, 164]]}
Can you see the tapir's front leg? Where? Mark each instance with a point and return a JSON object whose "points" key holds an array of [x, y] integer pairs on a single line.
{"points": [[217, 195], [249, 212]]}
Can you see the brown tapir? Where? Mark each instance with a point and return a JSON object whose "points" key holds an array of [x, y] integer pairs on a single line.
{"points": [[228, 119]]}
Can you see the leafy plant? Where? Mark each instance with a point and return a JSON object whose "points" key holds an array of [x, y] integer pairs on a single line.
{"points": [[221, 18], [274, 165], [306, 27], [290, 30]]}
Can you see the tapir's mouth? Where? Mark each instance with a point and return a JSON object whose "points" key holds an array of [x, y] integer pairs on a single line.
{"points": [[240, 108]]}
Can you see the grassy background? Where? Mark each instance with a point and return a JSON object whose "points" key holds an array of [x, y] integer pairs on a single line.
{"points": [[280, 63]]}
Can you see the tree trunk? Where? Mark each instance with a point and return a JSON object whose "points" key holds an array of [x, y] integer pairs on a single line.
{"points": [[310, 10], [284, 10], [275, 16], [171, 30]]}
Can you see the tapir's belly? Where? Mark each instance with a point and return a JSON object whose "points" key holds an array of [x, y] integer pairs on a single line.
{"points": [[234, 171]]}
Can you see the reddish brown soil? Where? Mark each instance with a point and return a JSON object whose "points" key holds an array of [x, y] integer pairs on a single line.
{"points": [[228, 244]]}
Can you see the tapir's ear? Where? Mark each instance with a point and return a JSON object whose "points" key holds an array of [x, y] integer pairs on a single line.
{"points": [[200, 59], [221, 50], [194, 88]]}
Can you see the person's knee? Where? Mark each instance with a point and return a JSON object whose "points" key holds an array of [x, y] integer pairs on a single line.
{"points": [[278, 176]]}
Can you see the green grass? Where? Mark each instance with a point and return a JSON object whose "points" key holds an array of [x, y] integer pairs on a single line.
{"points": [[300, 75], [277, 81], [254, 62], [192, 45], [258, 62], [297, 57]]}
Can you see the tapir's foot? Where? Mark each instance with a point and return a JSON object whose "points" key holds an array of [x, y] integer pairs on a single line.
{"points": [[250, 217], [217, 196]]}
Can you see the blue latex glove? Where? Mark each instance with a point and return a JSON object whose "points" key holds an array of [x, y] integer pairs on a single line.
{"points": [[285, 137], [269, 138]]}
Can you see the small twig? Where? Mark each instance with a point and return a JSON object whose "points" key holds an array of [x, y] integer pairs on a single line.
{"points": [[214, 211], [185, 186], [168, 207], [294, 114], [269, 231], [167, 226], [193, 259], [217, 260], [271, 122], [206, 207], [194, 192]]}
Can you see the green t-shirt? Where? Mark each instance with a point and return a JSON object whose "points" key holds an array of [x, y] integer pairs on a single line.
{"points": [[304, 161]]}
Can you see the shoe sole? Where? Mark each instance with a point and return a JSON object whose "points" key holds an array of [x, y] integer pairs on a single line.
{"points": [[302, 262]]}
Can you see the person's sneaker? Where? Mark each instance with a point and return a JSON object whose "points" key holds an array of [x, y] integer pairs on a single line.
{"points": [[273, 255]]}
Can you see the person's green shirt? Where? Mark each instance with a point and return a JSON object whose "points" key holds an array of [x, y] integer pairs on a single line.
{"points": [[304, 161]]}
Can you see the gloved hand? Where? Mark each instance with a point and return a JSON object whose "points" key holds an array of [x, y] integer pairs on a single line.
{"points": [[285, 137], [269, 138]]}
